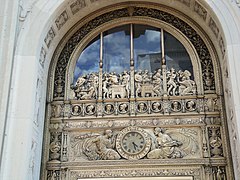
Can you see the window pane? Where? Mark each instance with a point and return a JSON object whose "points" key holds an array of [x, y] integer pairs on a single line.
{"points": [[88, 61], [176, 55], [116, 43], [147, 48]]}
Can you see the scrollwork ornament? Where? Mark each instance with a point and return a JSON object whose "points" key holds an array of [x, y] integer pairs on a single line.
{"points": [[55, 146], [53, 175], [56, 110], [215, 142]]}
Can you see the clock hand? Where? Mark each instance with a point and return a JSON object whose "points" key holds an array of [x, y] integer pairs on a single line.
{"points": [[134, 145]]}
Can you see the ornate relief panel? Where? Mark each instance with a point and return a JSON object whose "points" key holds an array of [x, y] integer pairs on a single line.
{"points": [[137, 123]]}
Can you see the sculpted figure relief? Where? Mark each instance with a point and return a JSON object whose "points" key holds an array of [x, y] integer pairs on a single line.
{"points": [[157, 82], [86, 87], [166, 147], [146, 84], [138, 83], [76, 110], [101, 147], [187, 86], [116, 85], [172, 86], [123, 108], [163, 144]]}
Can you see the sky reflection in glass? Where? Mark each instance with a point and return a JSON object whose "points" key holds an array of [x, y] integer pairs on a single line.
{"points": [[89, 59], [147, 49], [116, 49], [175, 54]]}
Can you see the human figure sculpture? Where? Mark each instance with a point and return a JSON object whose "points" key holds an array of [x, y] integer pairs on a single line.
{"points": [[190, 106], [138, 82], [157, 82], [125, 82], [75, 110], [145, 77], [113, 78], [123, 108], [105, 86], [166, 146], [90, 109], [175, 106], [86, 87], [104, 146], [187, 86], [156, 106], [109, 108], [172, 86], [142, 107]]}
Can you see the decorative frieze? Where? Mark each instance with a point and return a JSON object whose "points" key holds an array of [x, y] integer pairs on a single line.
{"points": [[77, 5], [42, 58], [214, 27], [185, 2], [222, 46], [200, 10], [152, 106], [135, 143], [49, 37], [61, 19], [53, 175], [143, 122], [153, 172]]}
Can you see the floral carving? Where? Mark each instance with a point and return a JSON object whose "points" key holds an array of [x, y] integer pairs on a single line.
{"points": [[215, 142], [55, 146]]}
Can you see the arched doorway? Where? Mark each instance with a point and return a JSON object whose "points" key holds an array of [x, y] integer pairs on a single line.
{"points": [[158, 106]]}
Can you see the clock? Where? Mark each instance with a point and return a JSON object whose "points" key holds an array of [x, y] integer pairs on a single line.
{"points": [[133, 143]]}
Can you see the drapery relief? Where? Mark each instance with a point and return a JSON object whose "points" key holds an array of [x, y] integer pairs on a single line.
{"points": [[159, 143]]}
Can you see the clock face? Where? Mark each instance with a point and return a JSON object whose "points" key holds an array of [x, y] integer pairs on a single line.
{"points": [[133, 142]]}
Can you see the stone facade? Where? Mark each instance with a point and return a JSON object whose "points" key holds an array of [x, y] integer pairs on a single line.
{"points": [[31, 31]]}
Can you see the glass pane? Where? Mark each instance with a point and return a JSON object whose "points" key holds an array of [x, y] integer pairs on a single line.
{"points": [[176, 55], [88, 62], [116, 49], [147, 48]]}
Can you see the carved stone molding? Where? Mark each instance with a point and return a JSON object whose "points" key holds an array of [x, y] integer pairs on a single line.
{"points": [[156, 172]]}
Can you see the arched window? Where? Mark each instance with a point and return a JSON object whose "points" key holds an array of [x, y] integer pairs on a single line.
{"points": [[148, 57]]}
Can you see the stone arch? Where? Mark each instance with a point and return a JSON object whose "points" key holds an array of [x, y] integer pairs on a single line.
{"points": [[23, 54]]}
